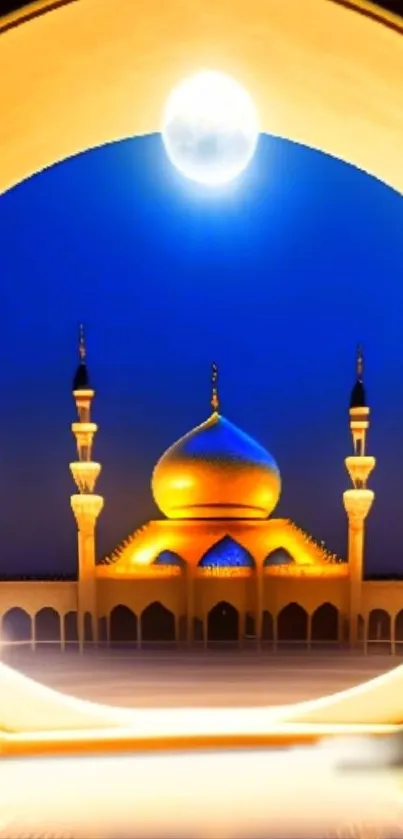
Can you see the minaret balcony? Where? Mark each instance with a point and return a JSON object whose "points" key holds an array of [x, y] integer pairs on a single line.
{"points": [[83, 397], [86, 509], [360, 414], [84, 432], [357, 504], [85, 474], [359, 467]]}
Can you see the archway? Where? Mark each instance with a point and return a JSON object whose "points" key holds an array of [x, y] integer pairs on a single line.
{"points": [[292, 623], [123, 625], [280, 556], [16, 626], [325, 623], [379, 625], [227, 553], [360, 628], [198, 635], [103, 630], [47, 626], [88, 630], [223, 623], [267, 626], [314, 120], [157, 623], [183, 628], [169, 559], [399, 627], [71, 628], [250, 626]]}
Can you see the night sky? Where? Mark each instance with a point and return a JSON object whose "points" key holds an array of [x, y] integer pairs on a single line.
{"points": [[276, 278]]}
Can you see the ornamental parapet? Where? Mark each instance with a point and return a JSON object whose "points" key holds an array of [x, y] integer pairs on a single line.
{"points": [[332, 570], [139, 572], [224, 572]]}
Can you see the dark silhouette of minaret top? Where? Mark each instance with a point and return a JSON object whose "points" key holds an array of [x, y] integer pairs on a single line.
{"points": [[358, 397]]}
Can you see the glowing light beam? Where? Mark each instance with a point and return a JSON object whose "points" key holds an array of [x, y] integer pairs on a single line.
{"points": [[35, 718]]}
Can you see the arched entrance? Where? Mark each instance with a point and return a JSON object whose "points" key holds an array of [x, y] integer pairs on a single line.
{"points": [[267, 626], [360, 629], [103, 630], [280, 556], [198, 636], [182, 628], [250, 626], [16, 626], [227, 553], [399, 628], [379, 626], [292, 623], [123, 625], [223, 623], [71, 628], [157, 623], [47, 626], [88, 630], [325, 624]]}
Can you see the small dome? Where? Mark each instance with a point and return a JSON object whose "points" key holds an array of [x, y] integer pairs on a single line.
{"points": [[216, 471], [81, 379], [358, 398]]}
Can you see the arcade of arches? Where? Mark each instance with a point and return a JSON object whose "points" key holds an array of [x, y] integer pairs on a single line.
{"points": [[224, 623]]}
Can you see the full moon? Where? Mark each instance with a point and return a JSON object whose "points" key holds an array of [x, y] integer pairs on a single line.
{"points": [[210, 128]]}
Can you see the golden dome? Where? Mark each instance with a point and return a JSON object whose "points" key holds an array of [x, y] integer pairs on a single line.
{"points": [[216, 471]]}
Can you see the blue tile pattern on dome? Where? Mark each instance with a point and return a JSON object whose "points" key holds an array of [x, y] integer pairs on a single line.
{"points": [[227, 553], [224, 441], [169, 558], [279, 557]]}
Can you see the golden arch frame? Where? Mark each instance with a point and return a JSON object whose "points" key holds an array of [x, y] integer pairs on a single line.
{"points": [[324, 73]]}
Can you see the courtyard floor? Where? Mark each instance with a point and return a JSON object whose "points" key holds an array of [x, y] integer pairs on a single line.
{"points": [[165, 678]]}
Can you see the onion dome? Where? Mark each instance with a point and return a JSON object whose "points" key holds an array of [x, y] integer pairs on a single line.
{"points": [[216, 471], [358, 397]]}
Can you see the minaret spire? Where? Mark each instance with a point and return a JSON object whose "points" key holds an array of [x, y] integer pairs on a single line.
{"points": [[215, 402], [359, 363], [82, 349]]}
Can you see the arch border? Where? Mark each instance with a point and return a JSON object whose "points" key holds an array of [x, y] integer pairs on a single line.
{"points": [[59, 88]]}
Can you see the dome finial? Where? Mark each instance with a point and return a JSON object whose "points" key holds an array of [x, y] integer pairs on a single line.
{"points": [[359, 363], [82, 350], [215, 402]]}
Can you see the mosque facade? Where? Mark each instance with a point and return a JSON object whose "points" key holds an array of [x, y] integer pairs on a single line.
{"points": [[218, 566]]}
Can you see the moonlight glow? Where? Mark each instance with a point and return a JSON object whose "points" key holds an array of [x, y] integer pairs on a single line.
{"points": [[210, 128]]}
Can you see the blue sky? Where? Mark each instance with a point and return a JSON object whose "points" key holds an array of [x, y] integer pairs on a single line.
{"points": [[276, 277]]}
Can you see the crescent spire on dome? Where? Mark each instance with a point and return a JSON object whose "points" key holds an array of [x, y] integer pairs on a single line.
{"points": [[215, 402]]}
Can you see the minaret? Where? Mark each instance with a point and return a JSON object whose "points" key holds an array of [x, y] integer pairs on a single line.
{"points": [[85, 505], [357, 501]]}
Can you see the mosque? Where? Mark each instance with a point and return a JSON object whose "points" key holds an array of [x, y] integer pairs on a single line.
{"points": [[217, 566]]}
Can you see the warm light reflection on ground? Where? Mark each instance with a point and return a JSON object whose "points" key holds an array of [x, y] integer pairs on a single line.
{"points": [[115, 795], [28, 707]]}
